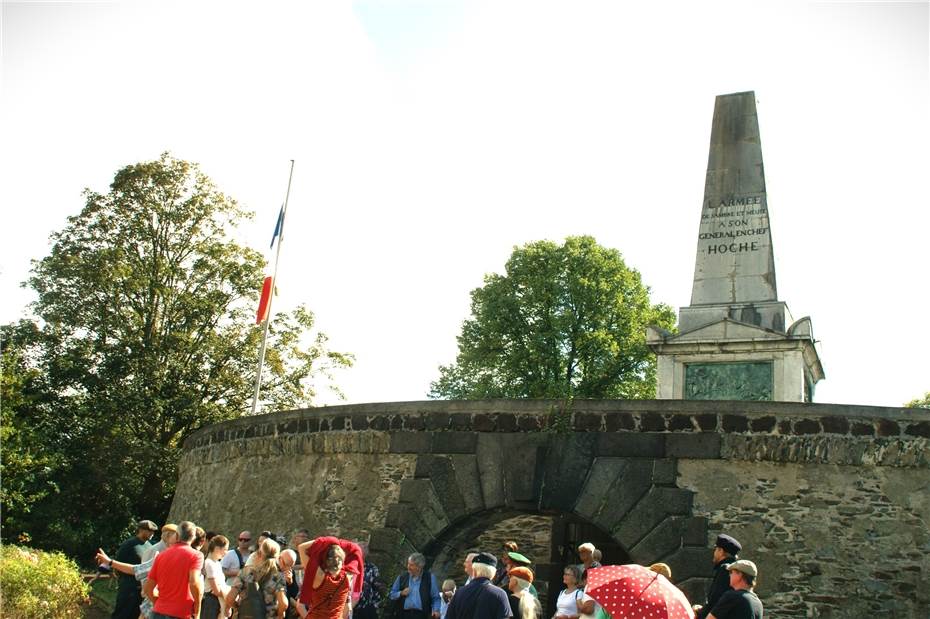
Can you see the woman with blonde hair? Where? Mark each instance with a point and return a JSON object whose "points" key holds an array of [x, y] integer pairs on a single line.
{"points": [[262, 571], [522, 602]]}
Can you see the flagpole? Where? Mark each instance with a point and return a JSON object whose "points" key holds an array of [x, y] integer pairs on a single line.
{"points": [[274, 283]]}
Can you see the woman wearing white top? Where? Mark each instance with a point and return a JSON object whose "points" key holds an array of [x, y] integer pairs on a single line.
{"points": [[214, 585], [567, 606]]}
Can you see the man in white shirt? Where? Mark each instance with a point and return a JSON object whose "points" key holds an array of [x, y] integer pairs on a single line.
{"points": [[169, 535], [236, 558]]}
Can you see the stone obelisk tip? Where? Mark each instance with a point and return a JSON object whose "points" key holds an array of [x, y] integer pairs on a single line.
{"points": [[735, 262]]}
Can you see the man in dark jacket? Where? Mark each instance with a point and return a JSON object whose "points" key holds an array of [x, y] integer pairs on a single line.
{"points": [[129, 594], [480, 598], [726, 551]]}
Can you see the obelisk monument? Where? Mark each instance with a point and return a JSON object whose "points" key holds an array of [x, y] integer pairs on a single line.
{"points": [[733, 342]]}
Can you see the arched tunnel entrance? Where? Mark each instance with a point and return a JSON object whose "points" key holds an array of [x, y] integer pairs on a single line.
{"points": [[550, 540], [569, 489]]}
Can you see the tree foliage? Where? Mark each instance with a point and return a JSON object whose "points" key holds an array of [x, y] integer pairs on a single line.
{"points": [[564, 321], [143, 332], [923, 402]]}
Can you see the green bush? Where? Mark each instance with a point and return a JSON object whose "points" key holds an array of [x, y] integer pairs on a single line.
{"points": [[34, 583]]}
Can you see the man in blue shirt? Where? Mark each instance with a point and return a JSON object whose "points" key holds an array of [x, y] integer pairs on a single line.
{"points": [[417, 590]]}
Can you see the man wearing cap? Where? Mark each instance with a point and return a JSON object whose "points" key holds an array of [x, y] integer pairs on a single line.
{"points": [[740, 602], [169, 535], [129, 594], [726, 551], [520, 560], [480, 598]]}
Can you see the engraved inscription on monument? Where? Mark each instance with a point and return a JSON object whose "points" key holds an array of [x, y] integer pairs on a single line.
{"points": [[734, 225]]}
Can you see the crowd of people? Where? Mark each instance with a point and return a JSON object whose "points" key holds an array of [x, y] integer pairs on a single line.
{"points": [[191, 574]]}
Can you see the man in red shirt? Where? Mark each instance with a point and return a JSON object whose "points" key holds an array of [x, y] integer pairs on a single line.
{"points": [[176, 573]]}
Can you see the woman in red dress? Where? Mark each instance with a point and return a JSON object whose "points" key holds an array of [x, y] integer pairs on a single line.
{"points": [[332, 573]]}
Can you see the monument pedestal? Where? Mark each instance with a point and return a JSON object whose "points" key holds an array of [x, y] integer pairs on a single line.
{"points": [[731, 360], [733, 343]]}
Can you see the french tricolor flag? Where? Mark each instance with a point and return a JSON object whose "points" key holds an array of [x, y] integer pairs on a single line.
{"points": [[264, 303]]}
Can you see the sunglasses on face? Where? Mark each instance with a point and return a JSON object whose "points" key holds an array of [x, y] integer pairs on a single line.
{"points": [[245, 539]]}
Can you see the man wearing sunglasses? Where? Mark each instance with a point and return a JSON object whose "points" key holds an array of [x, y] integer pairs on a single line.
{"points": [[236, 558]]}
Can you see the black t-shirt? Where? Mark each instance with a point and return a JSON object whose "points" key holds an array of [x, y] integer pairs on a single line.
{"points": [[131, 552], [738, 604]]}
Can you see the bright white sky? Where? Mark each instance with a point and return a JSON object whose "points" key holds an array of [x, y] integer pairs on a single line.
{"points": [[431, 137]]}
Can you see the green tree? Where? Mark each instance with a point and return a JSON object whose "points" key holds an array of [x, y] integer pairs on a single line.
{"points": [[26, 466], [564, 321], [923, 402], [143, 333]]}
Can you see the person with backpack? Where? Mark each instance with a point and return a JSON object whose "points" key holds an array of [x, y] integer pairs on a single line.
{"points": [[416, 592], [258, 590], [236, 558]]}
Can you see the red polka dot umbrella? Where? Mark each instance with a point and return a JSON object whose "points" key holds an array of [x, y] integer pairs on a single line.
{"points": [[635, 592]]}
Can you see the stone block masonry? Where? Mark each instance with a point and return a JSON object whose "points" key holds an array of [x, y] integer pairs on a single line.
{"points": [[832, 502]]}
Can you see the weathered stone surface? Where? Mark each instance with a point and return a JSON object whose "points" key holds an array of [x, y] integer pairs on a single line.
{"points": [[588, 422], [835, 425], [633, 482], [467, 478], [887, 427], [660, 542], [440, 472], [762, 424], [410, 442], [599, 485], [706, 422], [522, 469], [806, 426], [918, 429], [326, 491], [490, 454], [652, 422], [649, 512], [631, 444], [702, 445], [817, 530], [568, 459], [688, 563], [664, 472], [827, 449], [454, 442], [735, 423], [619, 421], [422, 517], [681, 423]]}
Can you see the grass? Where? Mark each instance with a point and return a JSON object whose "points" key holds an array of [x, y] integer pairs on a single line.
{"points": [[102, 598]]}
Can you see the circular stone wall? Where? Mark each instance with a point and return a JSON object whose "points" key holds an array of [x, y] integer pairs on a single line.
{"points": [[809, 489]]}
